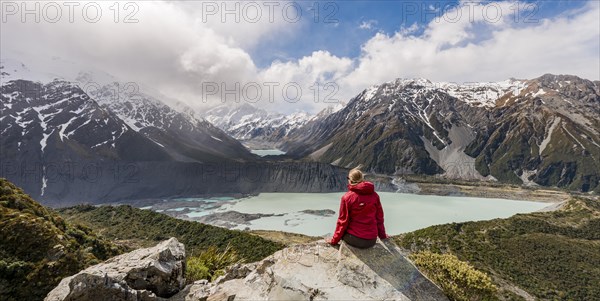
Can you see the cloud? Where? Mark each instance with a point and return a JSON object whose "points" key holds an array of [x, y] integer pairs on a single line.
{"points": [[310, 73], [170, 47], [176, 49], [466, 50], [405, 31], [367, 24]]}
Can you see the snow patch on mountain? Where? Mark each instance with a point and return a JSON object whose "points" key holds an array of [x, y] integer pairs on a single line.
{"points": [[548, 137], [478, 94], [482, 94], [525, 175], [571, 135]]}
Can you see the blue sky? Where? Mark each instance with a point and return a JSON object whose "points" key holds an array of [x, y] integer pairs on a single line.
{"points": [[345, 36]]}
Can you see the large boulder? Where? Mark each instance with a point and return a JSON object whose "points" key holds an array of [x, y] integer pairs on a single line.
{"points": [[144, 274], [317, 271]]}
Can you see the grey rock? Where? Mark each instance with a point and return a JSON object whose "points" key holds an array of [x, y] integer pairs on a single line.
{"points": [[367, 268], [321, 212], [317, 271], [145, 274]]}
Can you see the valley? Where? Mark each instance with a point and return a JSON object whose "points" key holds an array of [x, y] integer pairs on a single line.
{"points": [[439, 155], [65, 145], [300, 150]]}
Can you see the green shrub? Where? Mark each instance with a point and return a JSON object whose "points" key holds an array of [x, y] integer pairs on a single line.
{"points": [[459, 280], [550, 255], [38, 248], [148, 228], [210, 263]]}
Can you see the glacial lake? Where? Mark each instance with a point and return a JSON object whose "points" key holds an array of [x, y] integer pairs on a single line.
{"points": [[403, 212], [267, 152]]}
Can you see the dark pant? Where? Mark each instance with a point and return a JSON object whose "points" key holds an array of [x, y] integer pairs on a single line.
{"points": [[358, 242]]}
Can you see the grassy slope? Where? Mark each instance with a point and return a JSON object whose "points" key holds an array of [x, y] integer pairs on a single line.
{"points": [[551, 255], [146, 227], [38, 248]]}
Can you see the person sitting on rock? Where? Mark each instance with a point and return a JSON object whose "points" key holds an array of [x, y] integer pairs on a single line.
{"points": [[360, 221]]}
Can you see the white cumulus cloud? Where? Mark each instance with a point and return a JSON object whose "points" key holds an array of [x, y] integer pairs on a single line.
{"points": [[176, 47]]}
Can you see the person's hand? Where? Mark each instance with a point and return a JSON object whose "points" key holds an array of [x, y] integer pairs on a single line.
{"points": [[329, 241], [386, 237]]}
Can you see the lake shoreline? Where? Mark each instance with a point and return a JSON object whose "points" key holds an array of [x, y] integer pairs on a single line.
{"points": [[422, 185], [554, 199], [315, 214]]}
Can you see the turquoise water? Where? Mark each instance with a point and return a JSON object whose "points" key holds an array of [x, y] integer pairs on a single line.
{"points": [[211, 199], [267, 152], [176, 209], [403, 212]]}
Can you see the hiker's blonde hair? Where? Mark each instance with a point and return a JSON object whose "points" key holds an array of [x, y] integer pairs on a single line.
{"points": [[355, 176]]}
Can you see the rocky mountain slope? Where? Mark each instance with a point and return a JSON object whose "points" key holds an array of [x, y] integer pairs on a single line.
{"points": [[105, 182], [548, 134], [90, 140], [544, 131], [54, 135], [183, 135]]}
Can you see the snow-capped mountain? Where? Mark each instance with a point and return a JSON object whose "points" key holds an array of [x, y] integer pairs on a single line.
{"points": [[257, 127], [64, 148], [53, 129], [549, 134], [173, 126], [36, 117], [543, 131], [58, 123], [184, 136]]}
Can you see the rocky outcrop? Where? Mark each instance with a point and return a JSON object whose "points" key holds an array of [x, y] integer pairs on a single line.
{"points": [[313, 271], [144, 274], [317, 271]]}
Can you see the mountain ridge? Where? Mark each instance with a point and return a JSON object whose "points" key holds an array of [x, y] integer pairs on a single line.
{"points": [[409, 127], [539, 132]]}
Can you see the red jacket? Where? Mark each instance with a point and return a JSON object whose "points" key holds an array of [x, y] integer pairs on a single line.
{"points": [[360, 213]]}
